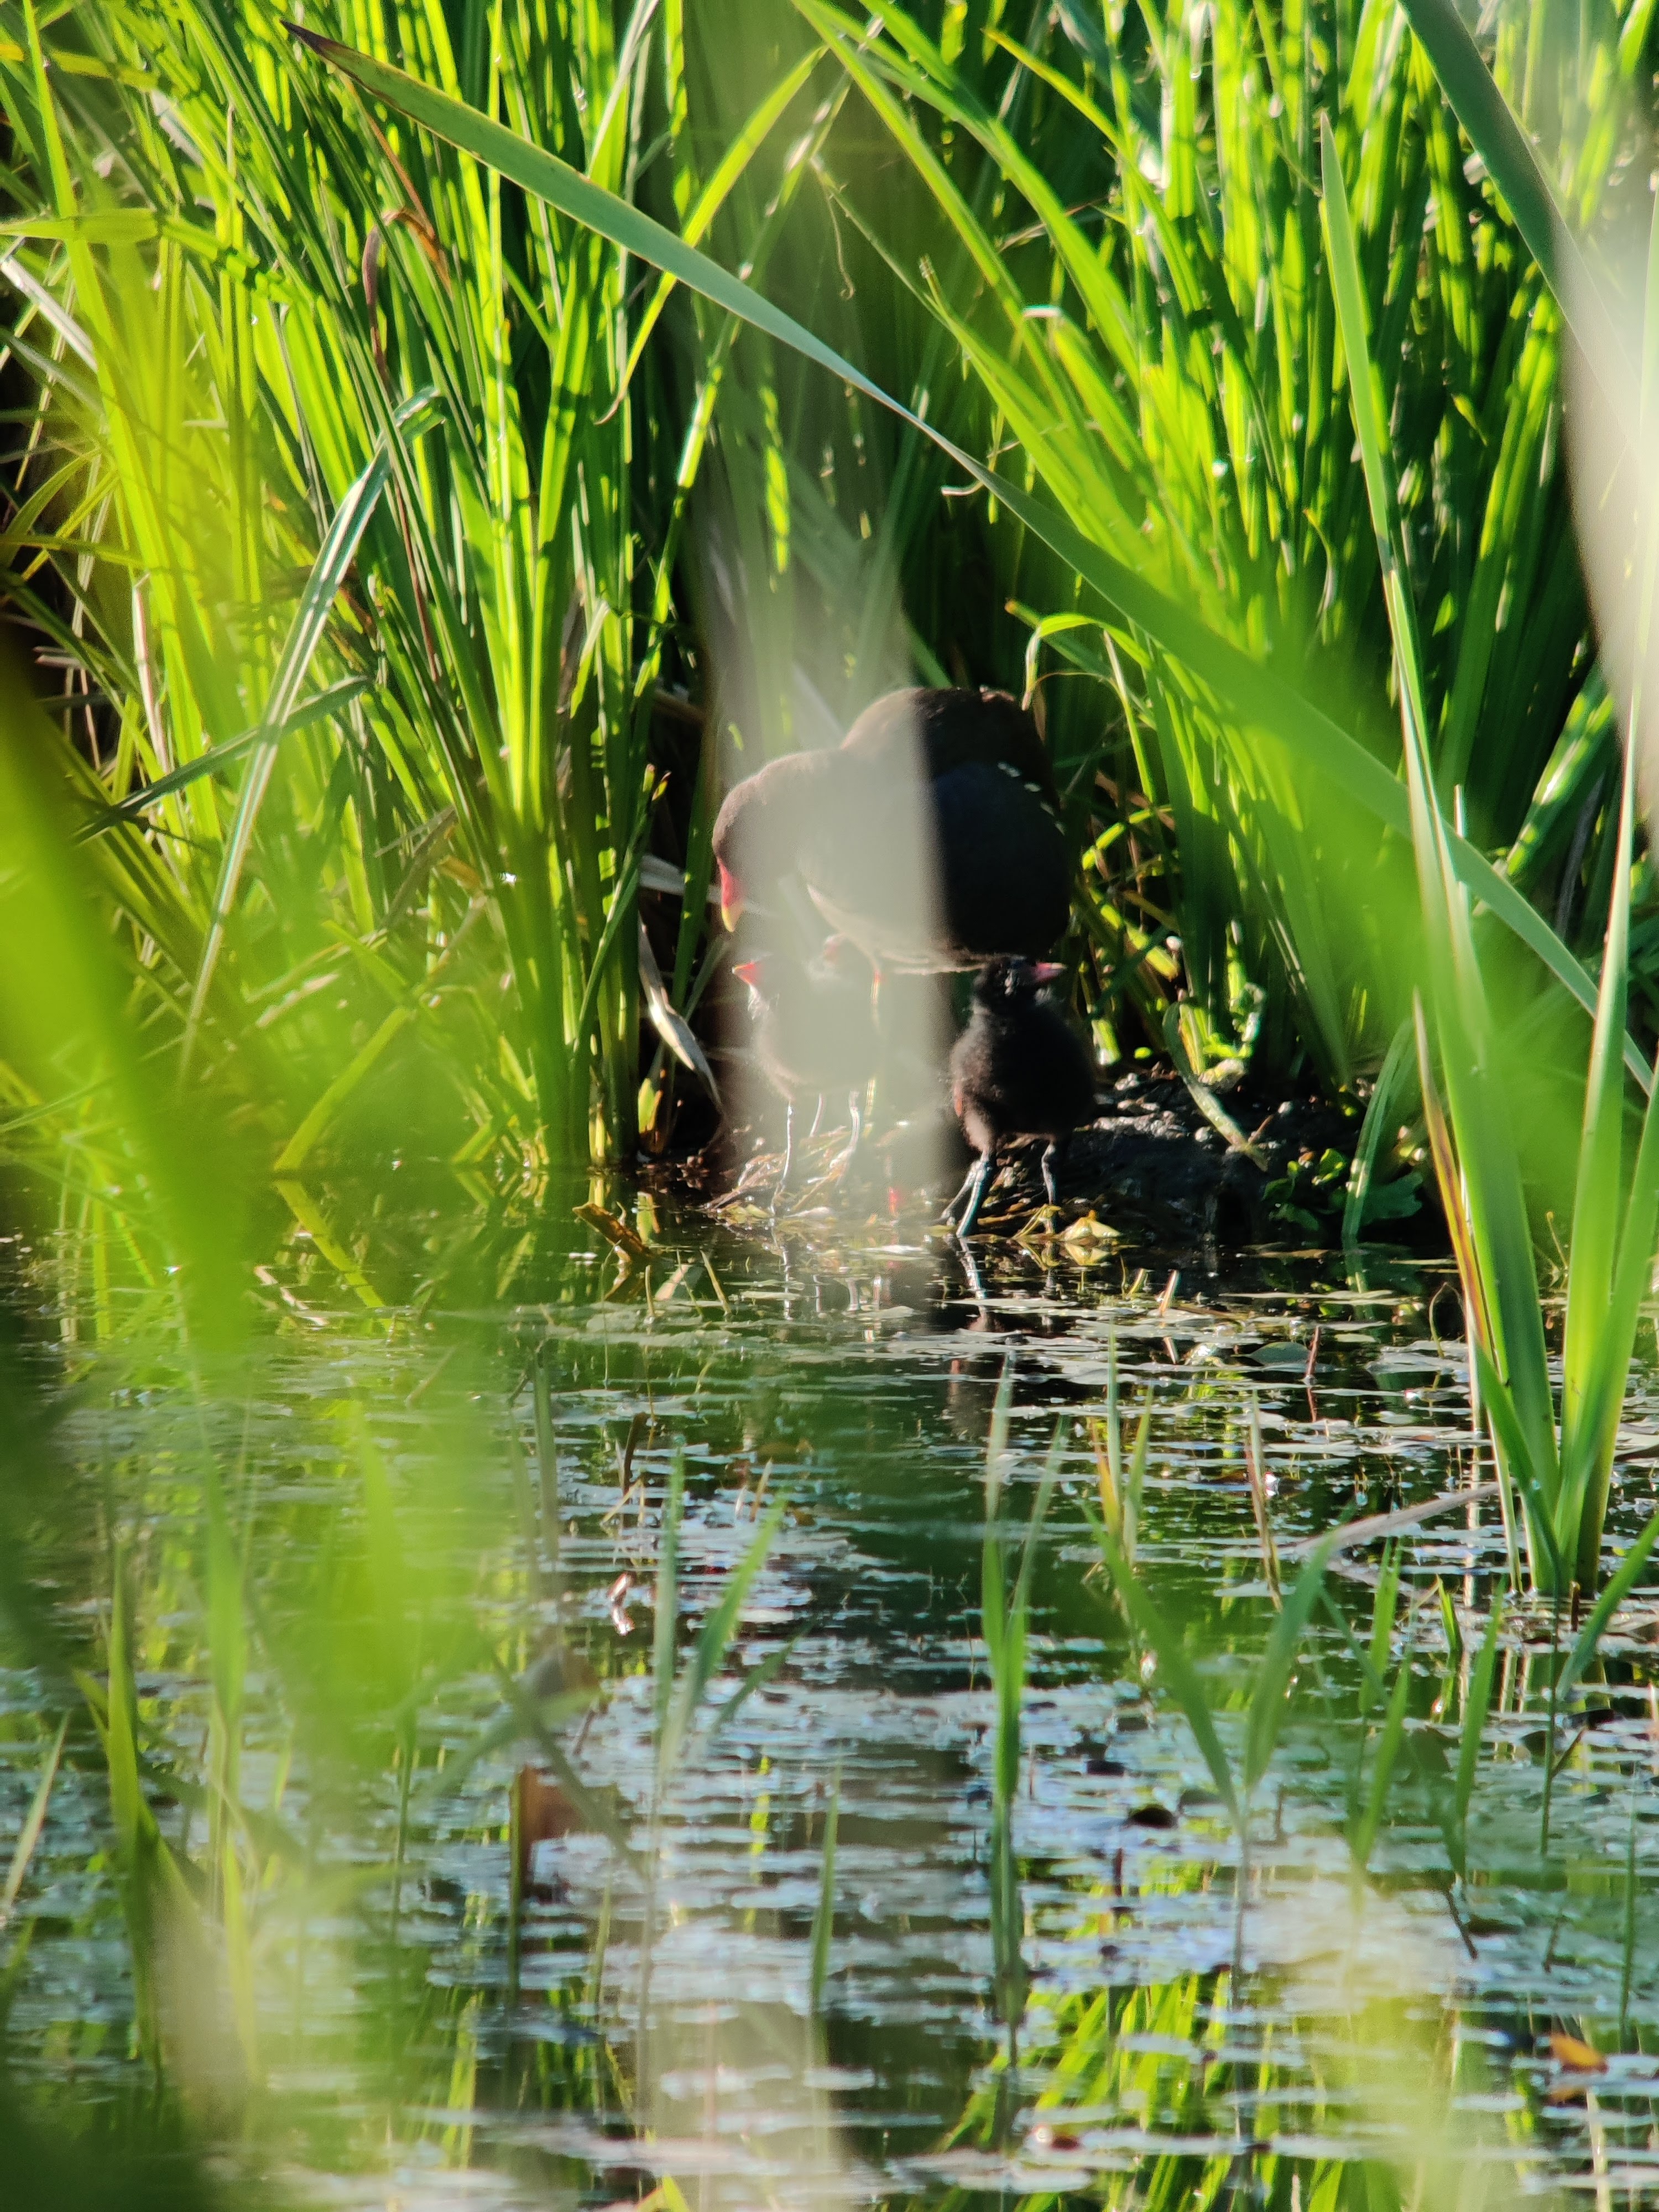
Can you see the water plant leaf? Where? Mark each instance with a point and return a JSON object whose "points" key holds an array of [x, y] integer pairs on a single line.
{"points": [[1362, 1836], [665, 1621], [1574, 2053], [823, 1918], [298, 1148], [1179, 1676], [672, 1026], [1363, 1197], [715, 1635], [322, 706], [1476, 1707], [1617, 1588], [1269, 1699], [1008, 1653], [34, 1820], [614, 1231]]}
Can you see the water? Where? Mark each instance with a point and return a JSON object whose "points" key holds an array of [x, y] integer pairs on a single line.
{"points": [[326, 1727]]}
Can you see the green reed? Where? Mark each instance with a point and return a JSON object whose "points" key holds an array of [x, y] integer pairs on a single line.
{"points": [[331, 491], [1150, 323], [422, 397], [1562, 1464], [1005, 1623]]}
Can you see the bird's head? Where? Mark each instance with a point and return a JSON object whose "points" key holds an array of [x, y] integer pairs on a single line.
{"points": [[731, 900], [1009, 979], [752, 972], [758, 832]]}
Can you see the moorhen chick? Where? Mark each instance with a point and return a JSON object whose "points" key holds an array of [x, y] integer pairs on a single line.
{"points": [[929, 835], [813, 1033], [1019, 1069]]}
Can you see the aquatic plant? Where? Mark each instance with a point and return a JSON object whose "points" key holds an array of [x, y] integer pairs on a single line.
{"points": [[1005, 1623], [1561, 1463], [1153, 335], [1269, 1694], [347, 447], [1207, 713], [362, 535]]}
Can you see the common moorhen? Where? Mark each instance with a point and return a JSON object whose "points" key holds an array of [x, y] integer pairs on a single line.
{"points": [[813, 1033], [929, 835], [1019, 1069]]}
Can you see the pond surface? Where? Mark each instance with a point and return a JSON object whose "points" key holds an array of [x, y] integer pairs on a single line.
{"points": [[340, 1558]]}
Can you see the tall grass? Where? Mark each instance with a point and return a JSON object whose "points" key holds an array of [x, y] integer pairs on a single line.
{"points": [[328, 498], [1149, 317], [272, 338]]}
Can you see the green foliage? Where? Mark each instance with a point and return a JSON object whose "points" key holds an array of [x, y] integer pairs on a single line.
{"points": [[340, 445], [1154, 330], [477, 446], [1004, 1622], [1269, 1696]]}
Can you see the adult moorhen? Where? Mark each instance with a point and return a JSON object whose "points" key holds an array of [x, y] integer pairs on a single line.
{"points": [[929, 835], [813, 1033], [1019, 1069]]}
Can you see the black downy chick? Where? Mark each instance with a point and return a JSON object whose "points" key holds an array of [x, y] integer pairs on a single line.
{"points": [[929, 835], [1019, 1069], [814, 1035]]}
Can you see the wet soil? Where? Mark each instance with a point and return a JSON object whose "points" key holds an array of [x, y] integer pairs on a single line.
{"points": [[1151, 1167]]}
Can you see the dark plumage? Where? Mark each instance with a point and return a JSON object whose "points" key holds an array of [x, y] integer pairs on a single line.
{"points": [[814, 1034], [929, 835], [1019, 1069]]}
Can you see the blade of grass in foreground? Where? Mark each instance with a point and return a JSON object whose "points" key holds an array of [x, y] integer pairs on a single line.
{"points": [[1500, 1246], [1247, 691]]}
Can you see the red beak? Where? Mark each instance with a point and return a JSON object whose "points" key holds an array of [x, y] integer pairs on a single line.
{"points": [[731, 898], [1047, 971], [749, 971]]}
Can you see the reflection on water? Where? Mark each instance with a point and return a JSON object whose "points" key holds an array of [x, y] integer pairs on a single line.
{"points": [[342, 1557]]}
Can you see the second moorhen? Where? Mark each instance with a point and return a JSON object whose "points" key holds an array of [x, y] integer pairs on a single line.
{"points": [[929, 835], [1019, 1069]]}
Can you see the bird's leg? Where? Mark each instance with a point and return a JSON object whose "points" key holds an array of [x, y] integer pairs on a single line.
{"points": [[878, 1087], [789, 1152], [974, 1189], [855, 1122], [1052, 1153], [817, 1115], [949, 1215]]}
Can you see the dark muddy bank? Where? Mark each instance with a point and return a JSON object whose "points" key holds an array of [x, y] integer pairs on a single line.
{"points": [[1153, 1166]]}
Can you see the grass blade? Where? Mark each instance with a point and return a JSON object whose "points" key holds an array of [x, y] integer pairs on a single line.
{"points": [[1619, 1585], [1179, 1674], [1362, 1841], [34, 1821], [1476, 1707], [1270, 1699], [823, 1918], [1372, 1135], [334, 558]]}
